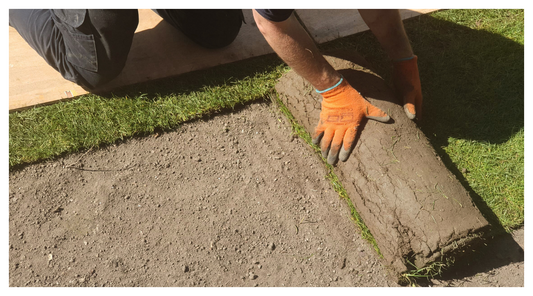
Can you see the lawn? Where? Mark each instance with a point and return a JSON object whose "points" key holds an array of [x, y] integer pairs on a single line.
{"points": [[472, 71]]}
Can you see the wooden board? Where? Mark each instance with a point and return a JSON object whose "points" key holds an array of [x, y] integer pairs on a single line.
{"points": [[160, 51], [31, 80], [329, 24]]}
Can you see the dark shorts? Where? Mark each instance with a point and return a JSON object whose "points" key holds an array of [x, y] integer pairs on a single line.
{"points": [[90, 46], [275, 15]]}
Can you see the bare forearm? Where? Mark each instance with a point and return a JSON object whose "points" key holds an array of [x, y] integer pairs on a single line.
{"points": [[292, 43], [387, 26]]}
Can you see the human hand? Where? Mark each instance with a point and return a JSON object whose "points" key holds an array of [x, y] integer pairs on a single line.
{"points": [[343, 109], [407, 84]]}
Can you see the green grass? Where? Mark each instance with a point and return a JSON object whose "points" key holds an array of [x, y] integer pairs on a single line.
{"points": [[433, 270], [472, 70], [91, 120], [495, 172], [476, 103]]}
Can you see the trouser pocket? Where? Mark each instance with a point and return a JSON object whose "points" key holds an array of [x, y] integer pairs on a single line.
{"points": [[80, 48]]}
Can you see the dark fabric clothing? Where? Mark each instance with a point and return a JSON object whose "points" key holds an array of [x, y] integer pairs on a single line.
{"points": [[87, 46], [275, 15], [90, 46], [210, 28]]}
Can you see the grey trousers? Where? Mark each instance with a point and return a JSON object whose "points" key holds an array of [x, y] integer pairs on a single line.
{"points": [[90, 46]]}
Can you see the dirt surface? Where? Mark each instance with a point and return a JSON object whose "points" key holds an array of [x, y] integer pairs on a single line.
{"points": [[233, 200]]}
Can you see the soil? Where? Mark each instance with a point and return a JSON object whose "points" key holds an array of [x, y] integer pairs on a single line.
{"points": [[231, 200], [416, 209]]}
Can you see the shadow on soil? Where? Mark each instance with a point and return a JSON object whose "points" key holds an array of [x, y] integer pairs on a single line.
{"points": [[497, 252]]}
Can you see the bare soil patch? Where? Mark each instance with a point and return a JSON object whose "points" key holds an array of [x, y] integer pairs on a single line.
{"points": [[232, 200]]}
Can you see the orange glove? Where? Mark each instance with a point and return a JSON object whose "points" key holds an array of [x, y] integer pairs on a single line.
{"points": [[343, 109], [407, 85]]}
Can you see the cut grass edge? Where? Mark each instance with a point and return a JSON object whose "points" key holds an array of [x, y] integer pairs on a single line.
{"points": [[52, 131]]}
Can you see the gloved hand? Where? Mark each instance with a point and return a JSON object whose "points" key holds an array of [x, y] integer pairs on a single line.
{"points": [[407, 84], [343, 109]]}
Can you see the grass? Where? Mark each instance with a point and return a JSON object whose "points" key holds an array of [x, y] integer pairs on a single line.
{"points": [[92, 120], [472, 69], [476, 103], [493, 172], [431, 271]]}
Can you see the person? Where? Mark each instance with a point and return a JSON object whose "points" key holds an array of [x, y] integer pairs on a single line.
{"points": [[343, 108], [90, 46]]}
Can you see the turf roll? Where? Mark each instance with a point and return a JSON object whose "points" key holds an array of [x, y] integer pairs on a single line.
{"points": [[416, 209]]}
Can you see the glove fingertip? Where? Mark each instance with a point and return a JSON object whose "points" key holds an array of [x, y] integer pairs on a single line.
{"points": [[408, 112], [343, 155], [325, 153], [385, 118], [332, 159], [333, 154], [317, 138]]}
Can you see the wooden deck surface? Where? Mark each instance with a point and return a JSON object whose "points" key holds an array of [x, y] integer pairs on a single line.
{"points": [[160, 51]]}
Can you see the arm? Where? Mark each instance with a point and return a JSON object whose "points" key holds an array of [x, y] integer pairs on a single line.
{"points": [[294, 46], [387, 26], [343, 108]]}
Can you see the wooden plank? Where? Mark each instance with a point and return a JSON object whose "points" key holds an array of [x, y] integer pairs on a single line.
{"points": [[31, 80], [329, 24], [162, 44], [415, 208], [160, 51]]}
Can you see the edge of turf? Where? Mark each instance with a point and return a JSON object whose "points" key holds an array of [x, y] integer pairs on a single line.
{"points": [[48, 132], [300, 131]]}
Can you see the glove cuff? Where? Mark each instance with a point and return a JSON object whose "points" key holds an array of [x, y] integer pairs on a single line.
{"points": [[328, 89], [405, 59]]}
